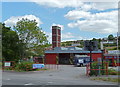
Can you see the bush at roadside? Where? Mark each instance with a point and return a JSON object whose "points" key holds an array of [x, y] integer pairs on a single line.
{"points": [[0, 65], [96, 65], [112, 71], [24, 66]]}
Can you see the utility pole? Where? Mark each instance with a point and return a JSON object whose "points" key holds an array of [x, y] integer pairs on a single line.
{"points": [[117, 49], [102, 57]]}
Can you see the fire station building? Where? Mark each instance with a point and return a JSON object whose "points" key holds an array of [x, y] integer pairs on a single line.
{"points": [[65, 55]]}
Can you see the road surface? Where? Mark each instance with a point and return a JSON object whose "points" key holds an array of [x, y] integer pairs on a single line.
{"points": [[65, 75]]}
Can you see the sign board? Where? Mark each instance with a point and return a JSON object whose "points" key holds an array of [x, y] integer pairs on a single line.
{"points": [[7, 64], [38, 66], [81, 61]]}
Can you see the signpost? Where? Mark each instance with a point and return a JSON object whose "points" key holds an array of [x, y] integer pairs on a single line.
{"points": [[38, 66], [7, 64]]}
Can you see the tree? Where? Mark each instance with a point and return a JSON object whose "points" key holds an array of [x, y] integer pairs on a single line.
{"points": [[94, 39], [0, 42], [110, 37], [11, 47], [119, 42], [99, 40], [32, 36]]}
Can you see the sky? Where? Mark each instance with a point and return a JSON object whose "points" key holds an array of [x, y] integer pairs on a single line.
{"points": [[78, 20]]}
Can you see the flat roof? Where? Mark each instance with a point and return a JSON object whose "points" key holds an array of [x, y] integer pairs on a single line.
{"points": [[70, 50], [111, 54]]}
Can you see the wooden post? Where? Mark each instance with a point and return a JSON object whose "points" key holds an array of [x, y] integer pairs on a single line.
{"points": [[57, 60]]}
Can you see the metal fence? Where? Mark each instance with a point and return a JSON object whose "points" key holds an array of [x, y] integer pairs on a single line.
{"points": [[98, 70]]}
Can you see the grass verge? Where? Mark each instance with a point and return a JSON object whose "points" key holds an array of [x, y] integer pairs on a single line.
{"points": [[106, 79]]}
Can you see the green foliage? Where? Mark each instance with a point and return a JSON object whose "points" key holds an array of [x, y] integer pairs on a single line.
{"points": [[0, 42], [110, 37], [0, 65], [119, 42], [24, 66], [25, 40], [95, 65], [106, 79], [94, 39], [112, 71], [32, 36], [11, 45]]}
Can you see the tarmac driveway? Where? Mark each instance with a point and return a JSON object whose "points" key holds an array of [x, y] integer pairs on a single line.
{"points": [[65, 75]]}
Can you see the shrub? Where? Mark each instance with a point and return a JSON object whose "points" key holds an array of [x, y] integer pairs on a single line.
{"points": [[96, 66], [0, 65], [107, 79], [112, 71], [24, 66]]}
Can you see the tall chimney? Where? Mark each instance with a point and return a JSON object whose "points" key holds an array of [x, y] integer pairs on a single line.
{"points": [[56, 36]]}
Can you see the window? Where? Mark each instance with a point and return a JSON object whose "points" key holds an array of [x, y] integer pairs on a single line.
{"points": [[59, 32], [53, 31], [110, 57], [54, 38], [107, 57], [59, 38]]}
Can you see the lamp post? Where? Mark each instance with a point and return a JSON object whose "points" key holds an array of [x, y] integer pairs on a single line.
{"points": [[102, 59], [102, 56]]}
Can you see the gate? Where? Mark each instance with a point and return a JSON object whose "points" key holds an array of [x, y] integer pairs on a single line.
{"points": [[97, 70]]}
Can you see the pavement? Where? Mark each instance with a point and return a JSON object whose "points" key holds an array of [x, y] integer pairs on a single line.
{"points": [[64, 75]]}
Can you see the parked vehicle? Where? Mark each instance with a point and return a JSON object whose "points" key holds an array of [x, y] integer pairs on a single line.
{"points": [[81, 60]]}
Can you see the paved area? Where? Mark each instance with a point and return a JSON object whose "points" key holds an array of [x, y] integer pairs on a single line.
{"points": [[65, 75]]}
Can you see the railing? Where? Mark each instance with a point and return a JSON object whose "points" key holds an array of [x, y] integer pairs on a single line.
{"points": [[88, 69]]}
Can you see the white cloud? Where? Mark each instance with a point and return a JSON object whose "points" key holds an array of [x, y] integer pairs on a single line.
{"points": [[59, 3], [101, 5], [67, 35], [62, 26], [105, 22], [63, 36], [77, 14], [104, 5], [14, 19], [73, 37], [92, 22], [87, 7]]}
